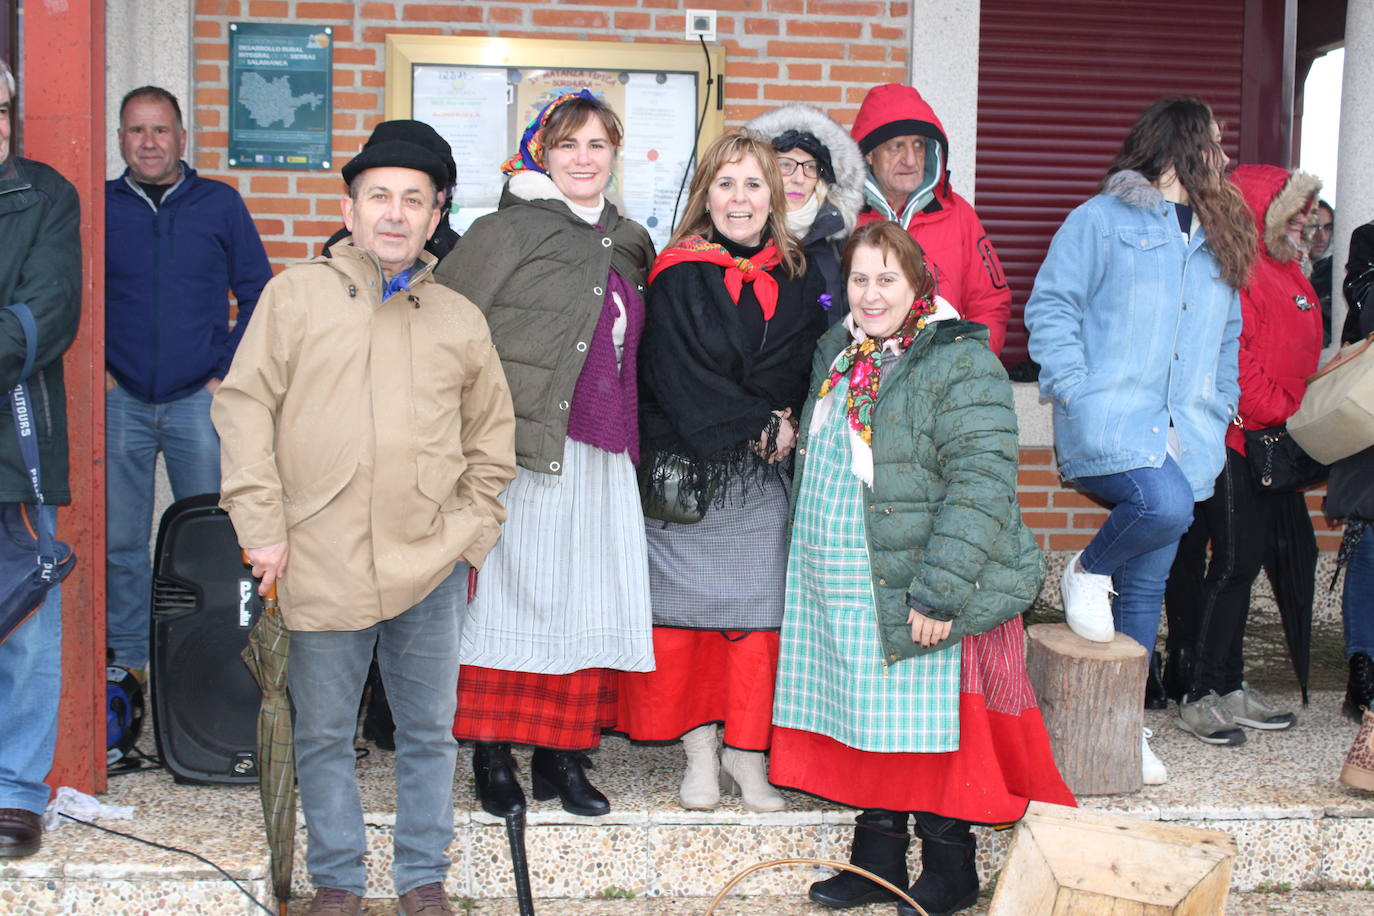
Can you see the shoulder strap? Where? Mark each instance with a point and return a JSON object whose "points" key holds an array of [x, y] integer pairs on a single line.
{"points": [[21, 311], [23, 419]]}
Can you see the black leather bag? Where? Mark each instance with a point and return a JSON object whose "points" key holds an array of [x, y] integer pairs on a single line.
{"points": [[1278, 463], [667, 495]]}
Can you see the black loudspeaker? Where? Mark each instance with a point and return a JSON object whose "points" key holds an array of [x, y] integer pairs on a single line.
{"points": [[205, 701]]}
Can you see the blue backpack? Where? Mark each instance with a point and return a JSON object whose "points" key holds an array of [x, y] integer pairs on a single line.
{"points": [[123, 717]]}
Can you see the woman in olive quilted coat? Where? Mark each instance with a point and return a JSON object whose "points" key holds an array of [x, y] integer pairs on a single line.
{"points": [[901, 683]]}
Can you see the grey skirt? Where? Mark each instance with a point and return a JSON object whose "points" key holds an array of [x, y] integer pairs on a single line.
{"points": [[566, 587], [727, 571]]}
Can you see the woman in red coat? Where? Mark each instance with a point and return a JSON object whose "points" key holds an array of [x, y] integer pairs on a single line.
{"points": [[1279, 345]]}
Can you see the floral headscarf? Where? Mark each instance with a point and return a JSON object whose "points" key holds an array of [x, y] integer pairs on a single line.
{"points": [[530, 155], [862, 363]]}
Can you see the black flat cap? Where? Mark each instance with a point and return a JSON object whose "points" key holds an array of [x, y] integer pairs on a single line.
{"points": [[398, 154], [419, 133]]}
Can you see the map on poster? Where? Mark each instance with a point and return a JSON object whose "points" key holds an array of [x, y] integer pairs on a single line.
{"points": [[279, 95], [482, 111]]}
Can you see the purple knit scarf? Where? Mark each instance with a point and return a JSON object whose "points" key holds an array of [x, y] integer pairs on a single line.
{"points": [[605, 402]]}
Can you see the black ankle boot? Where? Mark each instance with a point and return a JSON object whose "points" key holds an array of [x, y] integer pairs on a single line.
{"points": [[1178, 673], [493, 771], [1155, 697], [880, 844], [1359, 691], [949, 879], [562, 773]]}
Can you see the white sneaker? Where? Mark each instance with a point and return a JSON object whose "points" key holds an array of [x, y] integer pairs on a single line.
{"points": [[1152, 772], [1087, 602]]}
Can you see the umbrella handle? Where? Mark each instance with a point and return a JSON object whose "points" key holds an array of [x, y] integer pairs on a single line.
{"points": [[270, 599]]}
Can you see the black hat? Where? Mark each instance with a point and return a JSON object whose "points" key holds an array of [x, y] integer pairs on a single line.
{"points": [[807, 142], [399, 154], [419, 133]]}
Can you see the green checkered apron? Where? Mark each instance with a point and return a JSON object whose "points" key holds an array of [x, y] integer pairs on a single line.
{"points": [[831, 678]]}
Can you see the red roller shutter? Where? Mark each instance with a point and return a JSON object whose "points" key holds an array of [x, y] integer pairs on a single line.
{"points": [[1059, 84]]}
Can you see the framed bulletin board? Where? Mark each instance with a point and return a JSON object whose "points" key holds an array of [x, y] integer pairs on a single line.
{"points": [[480, 93]]}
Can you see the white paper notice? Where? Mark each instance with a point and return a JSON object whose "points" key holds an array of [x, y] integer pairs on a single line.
{"points": [[660, 126], [470, 109]]}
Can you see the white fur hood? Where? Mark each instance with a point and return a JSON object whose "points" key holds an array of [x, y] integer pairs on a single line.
{"points": [[847, 193]]}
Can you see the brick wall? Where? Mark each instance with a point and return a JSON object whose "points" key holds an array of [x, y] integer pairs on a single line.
{"points": [[1065, 519], [828, 52]]}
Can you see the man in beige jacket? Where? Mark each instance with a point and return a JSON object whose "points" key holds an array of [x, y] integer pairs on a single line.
{"points": [[366, 434]]}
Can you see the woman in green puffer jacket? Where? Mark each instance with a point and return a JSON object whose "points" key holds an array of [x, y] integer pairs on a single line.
{"points": [[902, 685]]}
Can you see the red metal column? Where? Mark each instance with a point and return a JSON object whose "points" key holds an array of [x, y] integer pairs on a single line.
{"points": [[63, 87], [1266, 115]]}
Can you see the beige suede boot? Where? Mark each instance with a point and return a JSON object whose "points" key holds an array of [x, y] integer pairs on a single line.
{"points": [[746, 772], [700, 791]]}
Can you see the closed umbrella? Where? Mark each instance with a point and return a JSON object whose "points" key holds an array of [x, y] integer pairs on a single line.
{"points": [[265, 655], [515, 823], [1290, 559]]}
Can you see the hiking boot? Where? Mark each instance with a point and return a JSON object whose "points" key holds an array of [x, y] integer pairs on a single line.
{"points": [[1358, 772], [330, 901], [1087, 602], [1207, 719], [426, 900], [1251, 708], [1359, 690], [1152, 771], [880, 845]]}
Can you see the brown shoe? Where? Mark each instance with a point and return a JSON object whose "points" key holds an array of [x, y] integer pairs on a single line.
{"points": [[21, 833], [330, 901], [1358, 772], [426, 900]]}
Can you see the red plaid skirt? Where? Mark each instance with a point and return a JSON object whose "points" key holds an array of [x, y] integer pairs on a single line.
{"points": [[562, 711], [703, 676]]}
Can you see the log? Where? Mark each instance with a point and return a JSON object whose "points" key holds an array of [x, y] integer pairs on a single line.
{"points": [[1078, 862], [1091, 699]]}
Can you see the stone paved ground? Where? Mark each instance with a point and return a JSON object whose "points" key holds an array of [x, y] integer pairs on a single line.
{"points": [[1306, 903]]}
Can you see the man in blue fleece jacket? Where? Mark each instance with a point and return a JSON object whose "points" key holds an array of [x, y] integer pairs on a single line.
{"points": [[176, 245]]}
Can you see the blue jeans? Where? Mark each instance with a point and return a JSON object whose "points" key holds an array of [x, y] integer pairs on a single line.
{"points": [[1357, 598], [1152, 507], [418, 656], [30, 687], [135, 432]]}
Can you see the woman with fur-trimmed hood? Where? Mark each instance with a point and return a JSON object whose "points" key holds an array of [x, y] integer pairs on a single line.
{"points": [[1279, 346], [823, 177]]}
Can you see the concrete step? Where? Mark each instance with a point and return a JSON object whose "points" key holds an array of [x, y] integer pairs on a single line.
{"points": [[1296, 828]]}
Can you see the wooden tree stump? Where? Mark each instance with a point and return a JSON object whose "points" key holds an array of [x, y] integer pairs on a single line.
{"points": [[1077, 862], [1091, 699]]}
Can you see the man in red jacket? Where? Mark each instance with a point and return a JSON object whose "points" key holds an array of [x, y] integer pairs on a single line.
{"points": [[907, 153]]}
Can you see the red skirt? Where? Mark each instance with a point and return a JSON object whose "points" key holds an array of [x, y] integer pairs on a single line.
{"points": [[1003, 762], [561, 711], [703, 676]]}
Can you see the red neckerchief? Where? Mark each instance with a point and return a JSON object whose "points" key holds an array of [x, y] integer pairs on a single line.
{"points": [[738, 271]]}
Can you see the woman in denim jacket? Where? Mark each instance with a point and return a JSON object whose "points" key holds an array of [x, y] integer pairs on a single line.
{"points": [[1135, 321]]}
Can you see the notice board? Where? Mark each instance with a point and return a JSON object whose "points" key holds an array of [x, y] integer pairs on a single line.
{"points": [[280, 77], [480, 93]]}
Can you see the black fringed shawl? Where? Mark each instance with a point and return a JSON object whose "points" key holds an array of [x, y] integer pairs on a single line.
{"points": [[711, 372]]}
